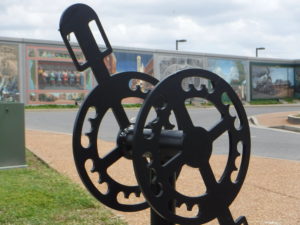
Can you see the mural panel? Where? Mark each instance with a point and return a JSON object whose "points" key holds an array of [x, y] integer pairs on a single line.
{"points": [[139, 62], [118, 62], [9, 73], [169, 64], [233, 71], [51, 74], [297, 81], [272, 81]]}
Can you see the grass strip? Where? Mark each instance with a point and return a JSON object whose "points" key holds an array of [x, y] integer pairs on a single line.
{"points": [[40, 195], [264, 102]]}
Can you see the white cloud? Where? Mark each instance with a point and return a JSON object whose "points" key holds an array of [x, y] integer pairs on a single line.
{"points": [[227, 27]]}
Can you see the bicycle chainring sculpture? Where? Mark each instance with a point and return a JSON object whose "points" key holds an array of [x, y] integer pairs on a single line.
{"points": [[194, 147], [158, 148]]}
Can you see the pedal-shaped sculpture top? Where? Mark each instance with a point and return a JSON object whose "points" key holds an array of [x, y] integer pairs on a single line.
{"points": [[157, 148]]}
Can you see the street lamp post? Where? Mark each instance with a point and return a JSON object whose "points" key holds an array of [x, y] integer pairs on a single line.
{"points": [[256, 50], [177, 41]]}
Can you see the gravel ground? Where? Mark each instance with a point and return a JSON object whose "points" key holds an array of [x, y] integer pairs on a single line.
{"points": [[270, 194]]}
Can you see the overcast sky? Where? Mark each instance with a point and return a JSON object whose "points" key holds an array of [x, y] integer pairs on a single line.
{"points": [[233, 27]]}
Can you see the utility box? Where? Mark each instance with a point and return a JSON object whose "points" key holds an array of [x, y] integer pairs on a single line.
{"points": [[12, 135]]}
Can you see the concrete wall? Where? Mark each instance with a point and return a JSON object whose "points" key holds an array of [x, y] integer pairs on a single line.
{"points": [[245, 74]]}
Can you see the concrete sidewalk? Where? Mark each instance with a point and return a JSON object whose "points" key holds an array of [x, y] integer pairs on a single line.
{"points": [[270, 194], [276, 120]]}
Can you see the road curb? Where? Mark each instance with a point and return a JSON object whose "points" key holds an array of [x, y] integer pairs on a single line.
{"points": [[289, 128], [294, 119]]}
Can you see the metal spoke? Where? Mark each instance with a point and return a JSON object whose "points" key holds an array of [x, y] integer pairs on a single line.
{"points": [[219, 129], [183, 117], [111, 157], [207, 175], [121, 116]]}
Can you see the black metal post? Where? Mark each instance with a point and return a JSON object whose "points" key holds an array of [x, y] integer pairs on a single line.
{"points": [[158, 220], [154, 217]]}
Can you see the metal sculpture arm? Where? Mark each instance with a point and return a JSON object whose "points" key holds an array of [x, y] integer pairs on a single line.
{"points": [[76, 20]]}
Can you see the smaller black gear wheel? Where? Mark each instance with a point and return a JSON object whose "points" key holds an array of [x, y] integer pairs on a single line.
{"points": [[103, 98]]}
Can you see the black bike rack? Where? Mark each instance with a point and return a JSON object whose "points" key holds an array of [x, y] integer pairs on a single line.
{"points": [[157, 148]]}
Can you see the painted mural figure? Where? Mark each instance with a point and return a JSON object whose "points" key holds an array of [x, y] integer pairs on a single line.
{"points": [[52, 78], [71, 78], [58, 76], [269, 81], [65, 77], [264, 82], [9, 87]]}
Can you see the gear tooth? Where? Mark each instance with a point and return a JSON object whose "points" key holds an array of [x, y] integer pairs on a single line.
{"points": [[138, 88], [231, 166], [203, 87], [169, 125], [236, 154], [235, 168], [189, 206], [126, 194], [190, 87], [178, 204], [100, 180], [233, 118], [92, 120], [93, 169], [93, 123], [140, 92], [137, 193], [204, 90]]}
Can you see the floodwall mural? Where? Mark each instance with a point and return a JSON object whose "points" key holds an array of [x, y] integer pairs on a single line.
{"points": [[233, 72], [9, 73], [52, 77], [272, 81]]}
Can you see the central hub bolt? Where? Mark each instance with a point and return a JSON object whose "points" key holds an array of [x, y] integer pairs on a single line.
{"points": [[123, 143], [197, 147]]}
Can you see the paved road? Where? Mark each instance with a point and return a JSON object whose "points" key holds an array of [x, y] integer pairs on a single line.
{"points": [[265, 142]]}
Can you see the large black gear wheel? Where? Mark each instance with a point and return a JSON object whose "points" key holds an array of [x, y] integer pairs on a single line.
{"points": [[154, 171], [107, 96]]}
